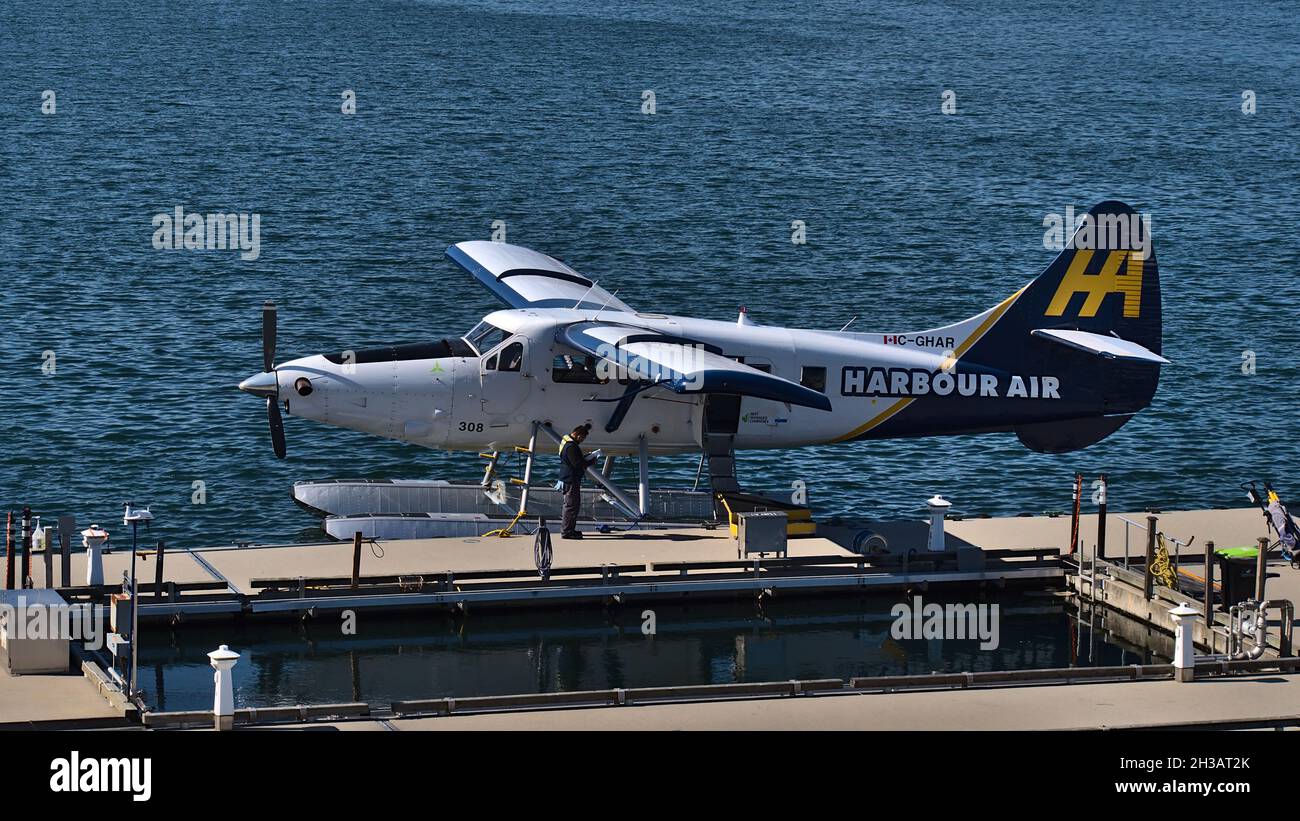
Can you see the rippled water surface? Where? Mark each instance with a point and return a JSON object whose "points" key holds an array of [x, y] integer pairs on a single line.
{"points": [[530, 113]]}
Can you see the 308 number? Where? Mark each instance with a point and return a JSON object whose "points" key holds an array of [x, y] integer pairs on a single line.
{"points": [[471, 427]]}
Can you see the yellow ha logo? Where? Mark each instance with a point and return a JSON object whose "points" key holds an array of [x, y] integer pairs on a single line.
{"points": [[1108, 280]]}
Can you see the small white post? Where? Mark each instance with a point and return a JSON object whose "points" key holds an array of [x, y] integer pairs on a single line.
{"points": [[1184, 616], [643, 479], [938, 509], [93, 538], [223, 703]]}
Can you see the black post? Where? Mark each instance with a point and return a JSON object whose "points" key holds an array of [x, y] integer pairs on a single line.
{"points": [[1209, 584], [27, 547], [1074, 515], [1151, 556], [67, 525], [48, 533], [158, 571], [356, 559], [1261, 569], [1101, 520]]}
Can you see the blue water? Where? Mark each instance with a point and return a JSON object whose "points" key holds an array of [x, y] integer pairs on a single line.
{"points": [[767, 112]]}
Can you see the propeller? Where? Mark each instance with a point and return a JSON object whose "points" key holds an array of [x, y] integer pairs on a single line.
{"points": [[266, 383], [277, 427]]}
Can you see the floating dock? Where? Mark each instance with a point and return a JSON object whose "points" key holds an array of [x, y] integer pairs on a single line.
{"points": [[302, 581], [298, 580]]}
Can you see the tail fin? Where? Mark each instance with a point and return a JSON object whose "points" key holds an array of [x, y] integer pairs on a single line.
{"points": [[1106, 281], [1092, 318]]}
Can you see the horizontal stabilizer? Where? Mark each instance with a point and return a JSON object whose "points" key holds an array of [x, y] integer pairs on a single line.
{"points": [[1110, 347], [682, 365]]}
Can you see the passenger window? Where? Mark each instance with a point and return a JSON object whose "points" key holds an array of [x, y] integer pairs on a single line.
{"points": [[813, 376], [578, 368], [512, 357]]}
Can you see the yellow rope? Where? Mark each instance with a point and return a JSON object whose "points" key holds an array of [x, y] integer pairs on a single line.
{"points": [[503, 532], [1161, 569]]}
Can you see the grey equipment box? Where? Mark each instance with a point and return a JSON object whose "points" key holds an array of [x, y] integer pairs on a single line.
{"points": [[762, 531], [21, 655]]}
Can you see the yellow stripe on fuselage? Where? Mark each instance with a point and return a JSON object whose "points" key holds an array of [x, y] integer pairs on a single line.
{"points": [[966, 344]]}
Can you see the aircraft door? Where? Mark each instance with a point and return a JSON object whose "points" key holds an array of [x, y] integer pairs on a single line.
{"points": [[506, 380]]}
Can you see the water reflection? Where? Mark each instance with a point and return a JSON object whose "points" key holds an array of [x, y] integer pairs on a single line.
{"points": [[436, 655]]}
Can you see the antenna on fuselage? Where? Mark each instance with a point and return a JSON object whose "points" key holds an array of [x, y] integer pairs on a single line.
{"points": [[594, 283], [606, 305], [850, 322]]}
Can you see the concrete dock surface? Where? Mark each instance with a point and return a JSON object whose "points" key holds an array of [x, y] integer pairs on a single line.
{"points": [[42, 699], [1120, 705]]}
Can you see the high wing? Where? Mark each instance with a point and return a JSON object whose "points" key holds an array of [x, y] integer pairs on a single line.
{"points": [[523, 278], [682, 365]]}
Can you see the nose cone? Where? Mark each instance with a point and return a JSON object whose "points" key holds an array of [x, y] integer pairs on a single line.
{"points": [[263, 384]]}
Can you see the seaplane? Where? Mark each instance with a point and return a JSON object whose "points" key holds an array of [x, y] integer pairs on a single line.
{"points": [[1062, 363]]}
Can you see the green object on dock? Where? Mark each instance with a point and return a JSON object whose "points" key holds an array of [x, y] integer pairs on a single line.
{"points": [[1238, 552]]}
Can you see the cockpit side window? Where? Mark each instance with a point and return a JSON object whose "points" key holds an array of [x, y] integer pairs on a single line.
{"points": [[485, 337], [512, 357], [577, 368]]}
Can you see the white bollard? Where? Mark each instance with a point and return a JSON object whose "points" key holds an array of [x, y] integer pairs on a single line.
{"points": [[938, 509], [93, 538], [1184, 616], [223, 702]]}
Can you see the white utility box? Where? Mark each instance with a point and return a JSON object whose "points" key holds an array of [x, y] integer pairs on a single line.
{"points": [[22, 654]]}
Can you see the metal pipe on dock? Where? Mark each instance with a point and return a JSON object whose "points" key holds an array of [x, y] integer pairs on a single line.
{"points": [[9, 552], [26, 579], [1261, 568], [643, 475], [1101, 519]]}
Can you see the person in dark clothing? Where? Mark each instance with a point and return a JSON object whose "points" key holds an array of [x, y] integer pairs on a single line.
{"points": [[573, 466]]}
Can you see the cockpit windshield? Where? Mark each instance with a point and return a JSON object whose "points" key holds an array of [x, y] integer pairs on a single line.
{"points": [[485, 337]]}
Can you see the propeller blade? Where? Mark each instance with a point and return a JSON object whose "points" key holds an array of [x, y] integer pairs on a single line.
{"points": [[268, 336], [277, 427]]}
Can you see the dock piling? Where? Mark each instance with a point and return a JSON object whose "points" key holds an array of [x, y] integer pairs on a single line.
{"points": [[67, 526], [158, 571], [47, 539], [1148, 579], [356, 560], [1209, 592]]}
